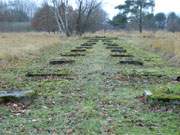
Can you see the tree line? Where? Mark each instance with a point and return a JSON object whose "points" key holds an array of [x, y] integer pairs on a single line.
{"points": [[60, 16], [55, 15], [15, 15], [85, 16], [17, 10], [139, 14]]}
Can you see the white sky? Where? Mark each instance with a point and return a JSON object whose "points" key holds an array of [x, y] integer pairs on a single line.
{"points": [[165, 6], [161, 6]]}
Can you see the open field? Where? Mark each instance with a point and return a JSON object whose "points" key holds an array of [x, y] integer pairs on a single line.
{"points": [[98, 91], [14, 46], [17, 45], [167, 44]]}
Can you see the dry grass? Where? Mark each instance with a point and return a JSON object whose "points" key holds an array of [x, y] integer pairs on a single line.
{"points": [[165, 43], [19, 45], [168, 44]]}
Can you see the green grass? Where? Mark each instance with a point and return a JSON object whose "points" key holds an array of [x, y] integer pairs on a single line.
{"points": [[170, 92], [94, 102]]}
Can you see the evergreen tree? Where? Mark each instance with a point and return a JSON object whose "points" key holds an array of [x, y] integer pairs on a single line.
{"points": [[135, 9], [160, 20]]}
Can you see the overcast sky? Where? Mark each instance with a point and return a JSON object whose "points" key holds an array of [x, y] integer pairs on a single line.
{"points": [[161, 6], [109, 5]]}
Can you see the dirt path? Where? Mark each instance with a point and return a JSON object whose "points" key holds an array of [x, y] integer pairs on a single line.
{"points": [[101, 97]]}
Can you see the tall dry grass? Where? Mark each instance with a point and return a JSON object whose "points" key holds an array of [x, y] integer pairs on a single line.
{"points": [[165, 43], [19, 45], [168, 44]]}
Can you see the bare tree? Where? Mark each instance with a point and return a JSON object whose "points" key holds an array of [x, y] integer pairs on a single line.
{"points": [[61, 12], [97, 20], [44, 19], [13, 11], [85, 10], [26, 6]]}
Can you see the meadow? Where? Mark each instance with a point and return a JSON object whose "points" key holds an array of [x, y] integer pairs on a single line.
{"points": [[19, 46], [167, 44], [100, 90]]}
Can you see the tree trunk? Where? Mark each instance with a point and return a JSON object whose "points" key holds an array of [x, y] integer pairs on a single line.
{"points": [[66, 23], [140, 19], [62, 21], [78, 25]]}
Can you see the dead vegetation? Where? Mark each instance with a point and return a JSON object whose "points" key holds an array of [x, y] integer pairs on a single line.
{"points": [[20, 45], [163, 42]]}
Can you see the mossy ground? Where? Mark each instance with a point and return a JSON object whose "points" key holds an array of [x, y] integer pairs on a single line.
{"points": [[94, 102]]}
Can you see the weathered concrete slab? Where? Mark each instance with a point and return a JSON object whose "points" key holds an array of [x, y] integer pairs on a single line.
{"points": [[45, 75], [162, 98], [84, 47], [86, 44], [119, 50], [23, 96], [111, 44], [49, 75], [114, 47], [61, 61], [78, 50], [131, 62], [121, 55], [73, 54], [178, 79]]}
